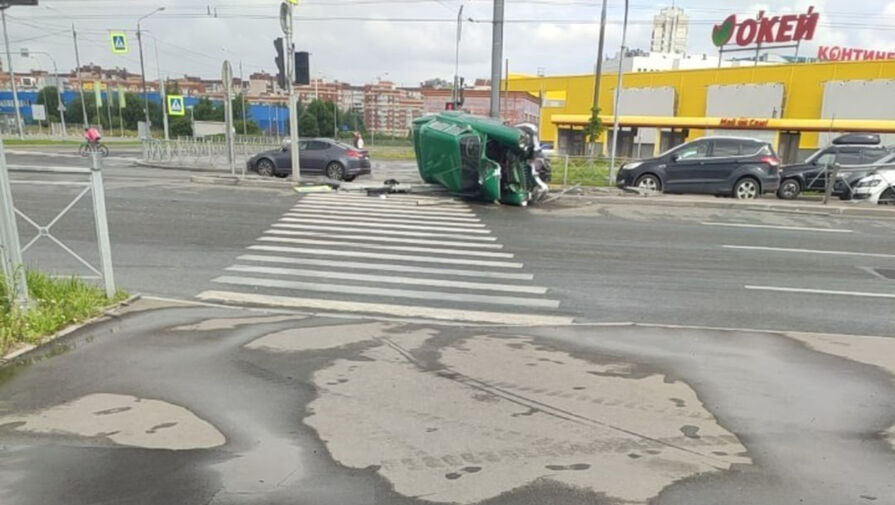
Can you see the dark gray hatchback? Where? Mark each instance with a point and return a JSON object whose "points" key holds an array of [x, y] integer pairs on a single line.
{"points": [[321, 156], [744, 168]]}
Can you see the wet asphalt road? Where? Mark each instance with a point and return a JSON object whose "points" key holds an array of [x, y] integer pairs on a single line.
{"points": [[811, 424], [198, 405]]}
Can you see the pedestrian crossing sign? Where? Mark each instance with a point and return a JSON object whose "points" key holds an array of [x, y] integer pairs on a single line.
{"points": [[119, 42], [175, 105]]}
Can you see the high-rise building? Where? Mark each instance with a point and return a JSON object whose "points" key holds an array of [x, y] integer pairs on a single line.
{"points": [[669, 31]]}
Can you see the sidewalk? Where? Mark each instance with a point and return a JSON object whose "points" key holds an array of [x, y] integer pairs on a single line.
{"points": [[835, 207]]}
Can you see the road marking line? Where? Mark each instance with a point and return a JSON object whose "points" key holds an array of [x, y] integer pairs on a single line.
{"points": [[393, 199], [396, 257], [315, 209], [439, 296], [821, 291], [315, 227], [366, 218], [807, 251], [386, 239], [389, 279], [385, 225], [471, 316], [773, 227], [357, 224], [405, 209], [384, 267], [381, 247]]}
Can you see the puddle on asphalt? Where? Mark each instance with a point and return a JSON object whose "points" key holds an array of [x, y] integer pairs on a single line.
{"points": [[332, 336], [232, 323], [473, 430], [124, 420]]}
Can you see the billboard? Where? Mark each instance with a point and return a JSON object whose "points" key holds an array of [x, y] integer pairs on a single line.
{"points": [[765, 30]]}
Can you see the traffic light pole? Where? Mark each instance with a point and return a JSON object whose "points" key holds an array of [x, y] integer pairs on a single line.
{"points": [[12, 76], [293, 112]]}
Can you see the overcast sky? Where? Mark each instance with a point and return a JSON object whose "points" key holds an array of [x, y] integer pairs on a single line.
{"points": [[405, 41]]}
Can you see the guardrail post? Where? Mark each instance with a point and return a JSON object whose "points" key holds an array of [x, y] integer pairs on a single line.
{"points": [[102, 223], [565, 172], [10, 248]]}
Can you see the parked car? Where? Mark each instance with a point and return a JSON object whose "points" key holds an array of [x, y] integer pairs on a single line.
{"points": [[846, 150], [740, 167], [547, 149], [322, 156], [879, 186]]}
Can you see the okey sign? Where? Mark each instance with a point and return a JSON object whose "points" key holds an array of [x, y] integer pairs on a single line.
{"points": [[766, 30]]}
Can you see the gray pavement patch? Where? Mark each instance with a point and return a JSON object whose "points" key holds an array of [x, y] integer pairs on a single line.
{"points": [[123, 419], [328, 337], [418, 428], [233, 322]]}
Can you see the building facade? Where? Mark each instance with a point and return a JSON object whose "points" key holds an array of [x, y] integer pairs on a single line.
{"points": [[389, 110], [680, 105], [515, 106], [669, 31]]}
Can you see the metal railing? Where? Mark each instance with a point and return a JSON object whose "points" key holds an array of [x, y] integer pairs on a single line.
{"points": [[836, 178], [211, 153], [585, 171], [12, 249]]}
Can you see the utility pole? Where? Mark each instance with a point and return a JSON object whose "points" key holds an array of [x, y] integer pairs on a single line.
{"points": [[496, 57], [12, 76], [143, 70], [287, 11], [242, 93], [455, 95], [74, 36], [599, 69], [163, 94], [618, 87]]}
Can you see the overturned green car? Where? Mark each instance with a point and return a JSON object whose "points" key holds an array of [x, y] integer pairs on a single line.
{"points": [[477, 157]]}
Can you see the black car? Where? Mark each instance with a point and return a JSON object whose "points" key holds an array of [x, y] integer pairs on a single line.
{"points": [[740, 167], [321, 156], [846, 150]]}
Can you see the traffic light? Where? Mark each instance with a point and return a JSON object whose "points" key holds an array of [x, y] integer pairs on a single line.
{"points": [[281, 62], [302, 68]]}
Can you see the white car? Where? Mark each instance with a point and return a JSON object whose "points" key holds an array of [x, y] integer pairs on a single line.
{"points": [[877, 188]]}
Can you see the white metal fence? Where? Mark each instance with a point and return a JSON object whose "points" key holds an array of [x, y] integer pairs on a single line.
{"points": [[11, 249], [210, 153]]}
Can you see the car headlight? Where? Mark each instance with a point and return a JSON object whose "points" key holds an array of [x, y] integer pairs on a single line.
{"points": [[869, 183], [632, 165]]}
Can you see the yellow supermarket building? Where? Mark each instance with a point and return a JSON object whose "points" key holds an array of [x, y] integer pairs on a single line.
{"points": [[798, 107]]}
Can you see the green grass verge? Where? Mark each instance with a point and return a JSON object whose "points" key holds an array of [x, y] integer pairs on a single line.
{"points": [[581, 171], [381, 152], [55, 304]]}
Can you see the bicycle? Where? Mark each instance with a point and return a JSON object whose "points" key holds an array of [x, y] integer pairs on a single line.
{"points": [[87, 148]]}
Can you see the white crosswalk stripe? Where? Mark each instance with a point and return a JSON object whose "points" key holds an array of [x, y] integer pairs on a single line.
{"points": [[402, 256]]}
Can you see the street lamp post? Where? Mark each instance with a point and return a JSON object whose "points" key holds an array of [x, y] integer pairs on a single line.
{"points": [[618, 86], [12, 76], [143, 69]]}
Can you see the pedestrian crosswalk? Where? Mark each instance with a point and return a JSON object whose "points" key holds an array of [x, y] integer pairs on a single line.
{"points": [[401, 256]]}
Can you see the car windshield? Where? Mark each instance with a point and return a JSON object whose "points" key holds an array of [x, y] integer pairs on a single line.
{"points": [[447, 252]]}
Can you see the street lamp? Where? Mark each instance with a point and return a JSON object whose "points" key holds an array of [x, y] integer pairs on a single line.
{"points": [[618, 86], [143, 69], [61, 106]]}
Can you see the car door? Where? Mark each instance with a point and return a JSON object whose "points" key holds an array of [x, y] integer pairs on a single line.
{"points": [[684, 165], [724, 158], [814, 177], [312, 158]]}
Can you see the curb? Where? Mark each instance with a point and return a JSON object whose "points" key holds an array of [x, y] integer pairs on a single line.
{"points": [[148, 164], [105, 315], [721, 203], [232, 180]]}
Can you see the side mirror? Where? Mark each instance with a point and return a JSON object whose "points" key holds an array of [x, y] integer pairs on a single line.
{"points": [[284, 148], [674, 158]]}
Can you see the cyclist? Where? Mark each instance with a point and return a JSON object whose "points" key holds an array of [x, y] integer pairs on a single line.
{"points": [[92, 136]]}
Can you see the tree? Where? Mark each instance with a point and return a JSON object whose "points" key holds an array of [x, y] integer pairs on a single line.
{"points": [[50, 99], [180, 126], [307, 125], [437, 83], [73, 113], [205, 110], [594, 127], [251, 127]]}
